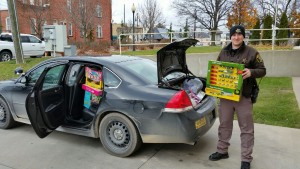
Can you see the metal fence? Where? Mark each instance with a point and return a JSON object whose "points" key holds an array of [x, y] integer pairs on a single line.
{"points": [[204, 38]]}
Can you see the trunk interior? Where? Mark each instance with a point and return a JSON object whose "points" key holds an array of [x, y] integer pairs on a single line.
{"points": [[194, 86]]}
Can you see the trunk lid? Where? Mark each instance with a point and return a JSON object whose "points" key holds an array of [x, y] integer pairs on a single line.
{"points": [[173, 72], [172, 58]]}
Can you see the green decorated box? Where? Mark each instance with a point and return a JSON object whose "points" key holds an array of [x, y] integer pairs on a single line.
{"points": [[224, 80]]}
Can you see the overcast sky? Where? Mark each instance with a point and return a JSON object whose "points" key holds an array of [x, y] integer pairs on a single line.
{"points": [[118, 11], [3, 4], [165, 5]]}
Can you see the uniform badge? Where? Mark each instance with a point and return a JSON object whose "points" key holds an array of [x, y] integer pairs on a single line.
{"points": [[259, 59], [244, 60]]}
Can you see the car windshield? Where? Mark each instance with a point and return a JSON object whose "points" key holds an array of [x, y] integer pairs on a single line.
{"points": [[145, 69]]}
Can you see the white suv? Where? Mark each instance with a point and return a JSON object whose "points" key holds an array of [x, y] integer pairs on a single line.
{"points": [[32, 46]]}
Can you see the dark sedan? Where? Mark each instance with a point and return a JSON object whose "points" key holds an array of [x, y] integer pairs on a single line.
{"points": [[125, 101]]}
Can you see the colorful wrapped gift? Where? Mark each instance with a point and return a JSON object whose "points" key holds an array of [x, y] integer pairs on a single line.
{"points": [[93, 78], [87, 99], [93, 87], [93, 91]]}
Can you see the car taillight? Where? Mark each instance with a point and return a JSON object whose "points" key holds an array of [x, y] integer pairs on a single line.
{"points": [[180, 102]]}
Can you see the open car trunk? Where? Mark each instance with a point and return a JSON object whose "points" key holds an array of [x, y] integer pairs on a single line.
{"points": [[173, 71]]}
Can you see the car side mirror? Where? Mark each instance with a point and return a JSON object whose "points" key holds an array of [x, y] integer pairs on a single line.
{"points": [[18, 71], [23, 79]]}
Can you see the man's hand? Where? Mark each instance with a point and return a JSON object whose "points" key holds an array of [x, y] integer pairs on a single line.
{"points": [[246, 73]]}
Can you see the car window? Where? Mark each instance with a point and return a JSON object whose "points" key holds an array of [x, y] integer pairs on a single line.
{"points": [[145, 69], [33, 39], [25, 39], [53, 77], [110, 79], [33, 76], [7, 38]]}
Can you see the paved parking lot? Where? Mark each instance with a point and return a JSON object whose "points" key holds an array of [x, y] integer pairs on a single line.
{"points": [[275, 148]]}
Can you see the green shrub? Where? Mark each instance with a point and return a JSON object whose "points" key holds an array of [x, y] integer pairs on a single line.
{"points": [[282, 33], [256, 34], [267, 34]]}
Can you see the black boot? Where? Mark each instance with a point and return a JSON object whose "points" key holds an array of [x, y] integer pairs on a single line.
{"points": [[218, 156], [245, 165]]}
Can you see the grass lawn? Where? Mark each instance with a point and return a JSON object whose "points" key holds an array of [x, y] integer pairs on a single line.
{"points": [[7, 68], [276, 103]]}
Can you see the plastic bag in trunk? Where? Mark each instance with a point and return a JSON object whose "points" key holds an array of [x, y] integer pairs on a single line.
{"points": [[194, 89]]}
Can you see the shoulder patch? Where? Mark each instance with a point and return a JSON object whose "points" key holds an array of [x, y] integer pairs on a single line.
{"points": [[259, 59]]}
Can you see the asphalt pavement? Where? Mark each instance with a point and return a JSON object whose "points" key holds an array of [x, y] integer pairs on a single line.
{"points": [[275, 148]]}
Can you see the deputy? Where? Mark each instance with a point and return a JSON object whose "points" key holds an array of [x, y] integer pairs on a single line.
{"points": [[238, 52]]}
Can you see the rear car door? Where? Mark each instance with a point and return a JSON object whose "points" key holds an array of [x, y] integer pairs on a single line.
{"points": [[26, 46], [37, 46], [32, 46], [45, 104]]}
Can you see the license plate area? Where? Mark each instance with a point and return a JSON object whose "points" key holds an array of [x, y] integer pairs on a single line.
{"points": [[200, 123]]}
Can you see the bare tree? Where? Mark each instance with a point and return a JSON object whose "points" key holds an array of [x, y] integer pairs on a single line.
{"points": [[81, 13], [151, 14], [269, 7], [208, 13], [36, 12]]}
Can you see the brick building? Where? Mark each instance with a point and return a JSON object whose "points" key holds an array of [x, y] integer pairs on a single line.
{"points": [[84, 19], [3, 21]]}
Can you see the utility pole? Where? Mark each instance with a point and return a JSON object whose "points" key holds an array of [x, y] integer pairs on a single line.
{"points": [[0, 20], [137, 26], [124, 14], [195, 15], [15, 30]]}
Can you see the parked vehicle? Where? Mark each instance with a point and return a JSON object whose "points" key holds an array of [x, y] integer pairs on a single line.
{"points": [[138, 101], [32, 46]]}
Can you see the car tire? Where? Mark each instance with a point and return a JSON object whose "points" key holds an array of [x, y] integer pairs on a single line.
{"points": [[6, 119], [5, 56], [118, 135]]}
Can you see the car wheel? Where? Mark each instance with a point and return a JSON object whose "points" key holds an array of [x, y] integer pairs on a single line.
{"points": [[6, 119], [5, 56], [119, 135]]}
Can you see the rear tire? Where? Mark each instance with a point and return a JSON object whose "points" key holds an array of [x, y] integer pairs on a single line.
{"points": [[6, 119], [5, 56], [119, 135]]}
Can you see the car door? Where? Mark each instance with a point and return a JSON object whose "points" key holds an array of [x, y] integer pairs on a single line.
{"points": [[37, 46], [32, 46], [26, 46], [23, 87], [45, 104]]}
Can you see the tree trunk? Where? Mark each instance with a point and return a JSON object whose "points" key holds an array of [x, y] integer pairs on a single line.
{"points": [[213, 38], [15, 32]]}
